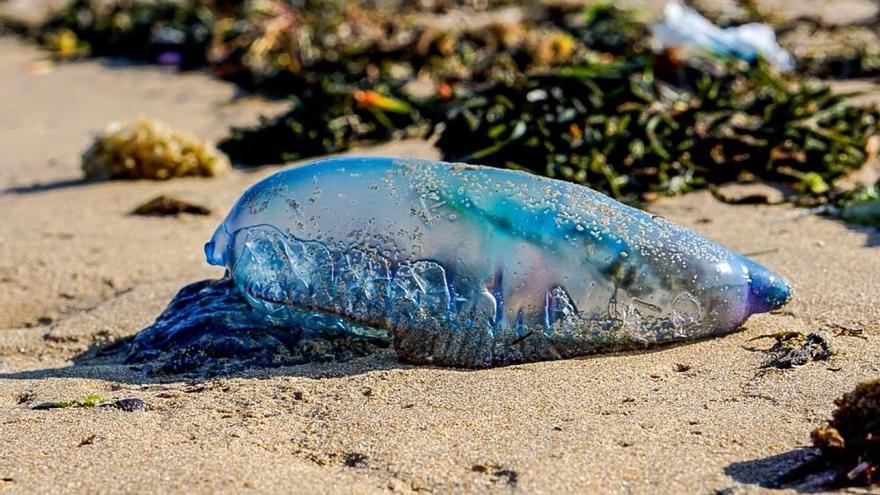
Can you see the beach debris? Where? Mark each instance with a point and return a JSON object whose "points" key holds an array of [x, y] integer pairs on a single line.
{"points": [[793, 349], [149, 149], [851, 439], [682, 26], [209, 328], [87, 401], [131, 404], [473, 266], [89, 440], [499, 473], [862, 206], [747, 199], [354, 460], [165, 205], [26, 396], [841, 330], [849, 444]]}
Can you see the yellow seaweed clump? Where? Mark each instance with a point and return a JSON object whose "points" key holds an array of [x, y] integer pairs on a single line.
{"points": [[149, 149], [851, 439]]}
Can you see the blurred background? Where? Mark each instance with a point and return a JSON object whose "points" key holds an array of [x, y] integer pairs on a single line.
{"points": [[635, 99]]}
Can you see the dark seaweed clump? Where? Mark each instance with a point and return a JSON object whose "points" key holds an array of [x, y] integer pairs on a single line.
{"points": [[794, 349], [621, 129], [396, 77], [850, 442], [165, 205], [324, 118]]}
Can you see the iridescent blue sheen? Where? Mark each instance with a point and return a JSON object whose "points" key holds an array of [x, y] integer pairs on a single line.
{"points": [[474, 266]]}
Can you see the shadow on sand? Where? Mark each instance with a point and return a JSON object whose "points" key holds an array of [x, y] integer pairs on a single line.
{"points": [[48, 186], [793, 470], [872, 234], [96, 364]]}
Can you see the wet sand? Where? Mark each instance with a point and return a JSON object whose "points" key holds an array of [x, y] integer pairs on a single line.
{"points": [[76, 270]]}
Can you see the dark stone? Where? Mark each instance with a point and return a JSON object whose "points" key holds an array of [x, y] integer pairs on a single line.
{"points": [[129, 405], [354, 460]]}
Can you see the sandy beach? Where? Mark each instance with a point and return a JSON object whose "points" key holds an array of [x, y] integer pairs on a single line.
{"points": [[77, 270]]}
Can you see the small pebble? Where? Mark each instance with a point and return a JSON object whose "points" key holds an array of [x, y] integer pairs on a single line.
{"points": [[129, 405]]}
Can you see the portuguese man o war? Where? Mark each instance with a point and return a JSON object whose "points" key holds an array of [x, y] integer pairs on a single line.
{"points": [[470, 266]]}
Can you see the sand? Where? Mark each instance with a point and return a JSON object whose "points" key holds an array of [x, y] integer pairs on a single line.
{"points": [[77, 270]]}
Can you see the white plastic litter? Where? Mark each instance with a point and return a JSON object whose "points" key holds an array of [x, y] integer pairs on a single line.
{"points": [[682, 26]]}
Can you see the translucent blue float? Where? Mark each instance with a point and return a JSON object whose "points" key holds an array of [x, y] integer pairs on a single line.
{"points": [[472, 266]]}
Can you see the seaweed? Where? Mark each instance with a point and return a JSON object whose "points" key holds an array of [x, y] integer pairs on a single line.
{"points": [[793, 349], [149, 149], [87, 401], [619, 129], [849, 444], [571, 92], [164, 205], [93, 400], [325, 118], [861, 206], [382, 87]]}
